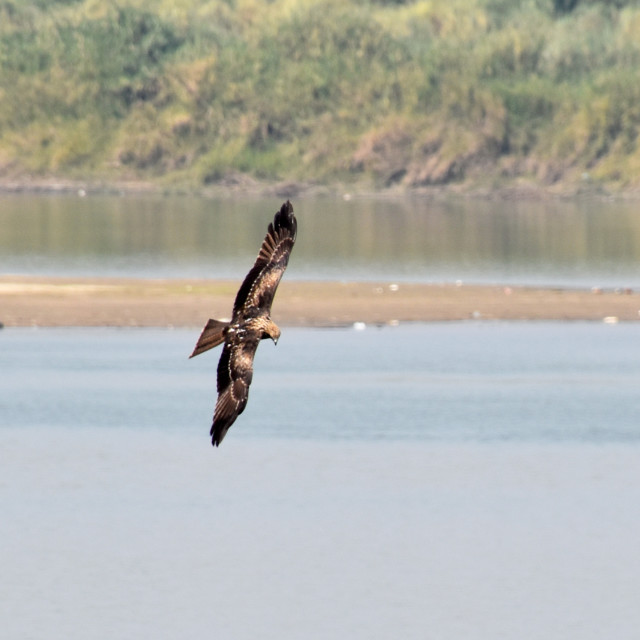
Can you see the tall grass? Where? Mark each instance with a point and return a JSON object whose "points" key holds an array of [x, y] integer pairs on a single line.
{"points": [[409, 92]]}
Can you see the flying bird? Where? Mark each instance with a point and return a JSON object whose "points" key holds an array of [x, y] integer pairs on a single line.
{"points": [[250, 323]]}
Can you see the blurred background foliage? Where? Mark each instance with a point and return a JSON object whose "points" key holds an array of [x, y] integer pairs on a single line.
{"points": [[379, 92]]}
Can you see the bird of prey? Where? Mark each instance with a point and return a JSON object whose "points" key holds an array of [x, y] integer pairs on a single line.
{"points": [[250, 323]]}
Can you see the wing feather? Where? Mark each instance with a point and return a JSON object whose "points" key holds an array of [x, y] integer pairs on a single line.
{"points": [[235, 372], [260, 284]]}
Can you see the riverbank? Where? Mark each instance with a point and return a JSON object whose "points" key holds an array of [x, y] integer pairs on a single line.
{"points": [[123, 302], [247, 186], [460, 95]]}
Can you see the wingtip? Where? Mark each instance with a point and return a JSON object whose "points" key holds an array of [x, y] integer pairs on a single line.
{"points": [[286, 211], [285, 219], [217, 434]]}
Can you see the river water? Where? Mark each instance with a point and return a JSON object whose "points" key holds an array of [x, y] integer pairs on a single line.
{"points": [[462, 480], [574, 243]]}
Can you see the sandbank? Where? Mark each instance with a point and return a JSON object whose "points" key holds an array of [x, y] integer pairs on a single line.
{"points": [[124, 302]]}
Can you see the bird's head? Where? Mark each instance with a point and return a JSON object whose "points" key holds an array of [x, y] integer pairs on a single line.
{"points": [[272, 330]]}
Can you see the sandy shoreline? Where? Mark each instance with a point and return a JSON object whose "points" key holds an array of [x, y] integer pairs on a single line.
{"points": [[121, 302]]}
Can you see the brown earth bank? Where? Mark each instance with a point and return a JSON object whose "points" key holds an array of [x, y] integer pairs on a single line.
{"points": [[235, 184], [82, 302]]}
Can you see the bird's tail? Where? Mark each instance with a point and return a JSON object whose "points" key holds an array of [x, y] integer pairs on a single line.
{"points": [[212, 335]]}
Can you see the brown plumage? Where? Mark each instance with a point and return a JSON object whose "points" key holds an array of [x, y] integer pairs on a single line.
{"points": [[250, 323]]}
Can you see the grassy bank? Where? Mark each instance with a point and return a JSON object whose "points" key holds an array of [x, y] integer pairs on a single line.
{"points": [[188, 93]]}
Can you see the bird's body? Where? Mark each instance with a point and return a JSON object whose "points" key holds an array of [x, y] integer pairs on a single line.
{"points": [[250, 323]]}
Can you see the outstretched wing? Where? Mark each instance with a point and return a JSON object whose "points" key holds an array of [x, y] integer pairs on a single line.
{"points": [[259, 286], [235, 372]]}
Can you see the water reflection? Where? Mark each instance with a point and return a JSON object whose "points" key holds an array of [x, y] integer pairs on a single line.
{"points": [[587, 243]]}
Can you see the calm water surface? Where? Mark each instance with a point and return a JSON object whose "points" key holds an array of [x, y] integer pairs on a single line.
{"points": [[584, 243], [473, 481], [441, 382]]}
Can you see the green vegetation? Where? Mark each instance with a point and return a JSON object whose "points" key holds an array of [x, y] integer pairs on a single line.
{"points": [[430, 92]]}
